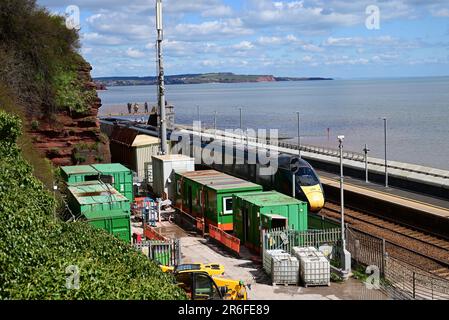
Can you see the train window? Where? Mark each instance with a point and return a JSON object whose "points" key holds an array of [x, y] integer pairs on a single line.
{"points": [[306, 177], [227, 205]]}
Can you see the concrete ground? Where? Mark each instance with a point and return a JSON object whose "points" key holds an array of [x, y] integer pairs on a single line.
{"points": [[195, 249]]}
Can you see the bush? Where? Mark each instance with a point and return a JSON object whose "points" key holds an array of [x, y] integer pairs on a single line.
{"points": [[34, 125], [36, 249]]}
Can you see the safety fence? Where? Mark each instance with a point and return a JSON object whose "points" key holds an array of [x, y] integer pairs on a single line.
{"points": [[399, 279], [150, 233], [224, 238], [167, 253], [324, 151], [366, 249], [286, 239], [414, 283]]}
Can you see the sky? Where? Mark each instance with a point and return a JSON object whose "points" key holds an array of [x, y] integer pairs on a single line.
{"points": [[322, 38]]}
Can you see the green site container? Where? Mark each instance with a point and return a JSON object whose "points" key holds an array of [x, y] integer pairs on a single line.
{"points": [[208, 194], [76, 174], [266, 210], [102, 206], [122, 178]]}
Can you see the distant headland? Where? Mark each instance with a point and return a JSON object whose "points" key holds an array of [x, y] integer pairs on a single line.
{"points": [[225, 77]]}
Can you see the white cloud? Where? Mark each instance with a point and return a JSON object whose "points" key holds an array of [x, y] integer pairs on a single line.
{"points": [[218, 11], [100, 39], [244, 45], [210, 29], [443, 12], [135, 53]]}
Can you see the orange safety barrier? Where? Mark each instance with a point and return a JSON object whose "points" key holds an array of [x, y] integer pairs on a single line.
{"points": [[151, 234], [200, 224], [226, 239]]}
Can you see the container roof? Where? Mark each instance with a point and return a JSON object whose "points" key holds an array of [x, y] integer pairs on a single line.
{"points": [[95, 193], [69, 170], [144, 140], [110, 167], [173, 157], [267, 199], [218, 180], [123, 135]]}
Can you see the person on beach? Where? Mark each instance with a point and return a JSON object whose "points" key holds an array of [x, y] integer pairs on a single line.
{"points": [[146, 107], [129, 107], [136, 108]]}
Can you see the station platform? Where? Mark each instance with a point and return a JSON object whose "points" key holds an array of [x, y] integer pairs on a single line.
{"points": [[429, 214], [424, 202]]}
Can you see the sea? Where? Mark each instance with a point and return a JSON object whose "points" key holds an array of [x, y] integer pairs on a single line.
{"points": [[416, 109]]}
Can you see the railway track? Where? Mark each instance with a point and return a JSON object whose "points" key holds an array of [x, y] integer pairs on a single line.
{"points": [[415, 247]]}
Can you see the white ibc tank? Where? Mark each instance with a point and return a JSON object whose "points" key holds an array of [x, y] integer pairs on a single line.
{"points": [[268, 257], [314, 267], [285, 270]]}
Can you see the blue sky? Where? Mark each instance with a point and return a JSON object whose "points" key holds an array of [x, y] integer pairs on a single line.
{"points": [[326, 38]]}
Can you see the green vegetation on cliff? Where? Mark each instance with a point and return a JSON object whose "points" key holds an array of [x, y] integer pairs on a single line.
{"points": [[39, 253], [39, 59], [45, 100]]}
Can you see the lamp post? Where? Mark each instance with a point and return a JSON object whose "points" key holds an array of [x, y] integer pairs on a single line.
{"points": [[299, 135], [342, 199], [198, 112], [366, 150], [386, 161], [215, 123], [345, 255], [241, 124]]}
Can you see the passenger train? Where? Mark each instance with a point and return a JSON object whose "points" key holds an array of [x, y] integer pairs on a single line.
{"points": [[308, 187]]}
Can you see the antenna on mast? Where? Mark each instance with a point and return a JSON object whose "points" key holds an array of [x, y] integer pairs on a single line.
{"points": [[161, 81]]}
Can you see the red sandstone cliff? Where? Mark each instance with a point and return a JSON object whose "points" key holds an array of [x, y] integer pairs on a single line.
{"points": [[68, 138]]}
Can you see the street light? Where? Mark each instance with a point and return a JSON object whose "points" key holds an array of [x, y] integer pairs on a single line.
{"points": [[340, 147], [386, 161], [345, 255], [215, 123], [241, 124], [198, 111], [299, 135]]}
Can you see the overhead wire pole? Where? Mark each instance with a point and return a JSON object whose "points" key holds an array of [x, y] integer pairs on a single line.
{"points": [[299, 135], [215, 123], [161, 82]]}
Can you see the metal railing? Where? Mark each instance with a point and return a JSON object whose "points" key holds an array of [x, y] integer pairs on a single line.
{"points": [[414, 283], [286, 239], [400, 280], [167, 252], [366, 249]]}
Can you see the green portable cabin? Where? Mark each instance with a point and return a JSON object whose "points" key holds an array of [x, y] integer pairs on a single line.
{"points": [[119, 176], [266, 210], [208, 194], [76, 174], [102, 206]]}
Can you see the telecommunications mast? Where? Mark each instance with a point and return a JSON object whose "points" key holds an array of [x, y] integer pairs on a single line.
{"points": [[161, 82]]}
